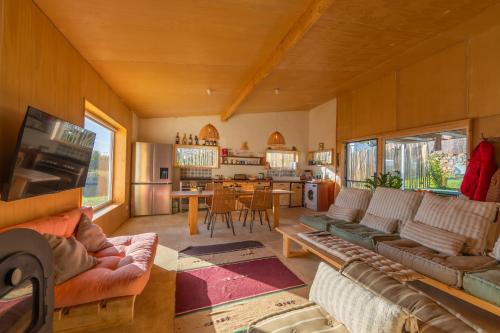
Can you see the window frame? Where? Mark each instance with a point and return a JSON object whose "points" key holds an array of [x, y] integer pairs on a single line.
{"points": [[377, 153], [111, 180], [283, 151]]}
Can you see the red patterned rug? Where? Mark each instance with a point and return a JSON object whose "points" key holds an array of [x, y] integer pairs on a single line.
{"points": [[209, 276]]}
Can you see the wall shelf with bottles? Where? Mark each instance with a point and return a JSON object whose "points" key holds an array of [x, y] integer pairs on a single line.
{"points": [[196, 156], [243, 160], [320, 157]]}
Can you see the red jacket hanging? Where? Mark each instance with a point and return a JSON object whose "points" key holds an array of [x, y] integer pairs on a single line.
{"points": [[478, 175]]}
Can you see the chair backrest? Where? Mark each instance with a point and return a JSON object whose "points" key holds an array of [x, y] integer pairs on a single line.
{"points": [[211, 187], [261, 200], [224, 201]]}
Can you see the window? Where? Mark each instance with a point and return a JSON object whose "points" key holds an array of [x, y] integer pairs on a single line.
{"points": [[98, 191], [282, 159], [432, 161], [361, 162]]}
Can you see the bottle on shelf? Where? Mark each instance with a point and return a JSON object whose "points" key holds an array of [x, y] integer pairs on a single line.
{"points": [[196, 140], [190, 139], [177, 139], [184, 139]]}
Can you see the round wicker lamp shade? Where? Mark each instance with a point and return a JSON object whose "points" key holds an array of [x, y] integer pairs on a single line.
{"points": [[209, 133], [276, 139]]}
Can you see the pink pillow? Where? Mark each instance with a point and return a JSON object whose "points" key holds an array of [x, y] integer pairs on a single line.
{"points": [[91, 235]]}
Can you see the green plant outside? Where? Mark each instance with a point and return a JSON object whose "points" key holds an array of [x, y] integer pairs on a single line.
{"points": [[388, 179]]}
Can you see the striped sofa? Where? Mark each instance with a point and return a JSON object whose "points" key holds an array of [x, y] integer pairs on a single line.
{"points": [[387, 306]]}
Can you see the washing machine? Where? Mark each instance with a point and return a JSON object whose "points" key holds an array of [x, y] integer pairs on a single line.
{"points": [[316, 196]]}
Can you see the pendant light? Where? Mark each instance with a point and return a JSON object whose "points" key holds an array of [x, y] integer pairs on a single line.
{"points": [[209, 133], [276, 139]]}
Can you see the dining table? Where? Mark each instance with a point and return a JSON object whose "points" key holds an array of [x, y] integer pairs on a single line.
{"points": [[194, 196]]}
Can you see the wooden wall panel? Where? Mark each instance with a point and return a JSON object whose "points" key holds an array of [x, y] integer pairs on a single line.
{"points": [[39, 67], [485, 74], [344, 116], [374, 107], [434, 89]]}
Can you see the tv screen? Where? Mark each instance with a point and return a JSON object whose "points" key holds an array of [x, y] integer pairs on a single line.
{"points": [[52, 155]]}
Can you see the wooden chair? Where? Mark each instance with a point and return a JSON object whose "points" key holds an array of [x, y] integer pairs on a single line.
{"points": [[244, 201], [223, 203], [262, 200], [208, 200]]}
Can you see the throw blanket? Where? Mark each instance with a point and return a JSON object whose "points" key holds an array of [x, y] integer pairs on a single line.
{"points": [[478, 175]]}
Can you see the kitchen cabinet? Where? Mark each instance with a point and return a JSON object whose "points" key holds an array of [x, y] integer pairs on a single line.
{"points": [[284, 199], [297, 195], [196, 156]]}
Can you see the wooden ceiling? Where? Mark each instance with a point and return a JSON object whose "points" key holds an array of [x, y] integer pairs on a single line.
{"points": [[161, 56]]}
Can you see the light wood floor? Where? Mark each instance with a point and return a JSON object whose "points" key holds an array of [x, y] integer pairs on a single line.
{"points": [[154, 310]]}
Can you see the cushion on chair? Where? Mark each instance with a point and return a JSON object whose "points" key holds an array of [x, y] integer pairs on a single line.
{"points": [[318, 222], [395, 204], [123, 270], [432, 317], [90, 235], [437, 239], [444, 268], [469, 218], [496, 250], [342, 297], [384, 224], [342, 213], [354, 198], [308, 318], [359, 234], [484, 284]]}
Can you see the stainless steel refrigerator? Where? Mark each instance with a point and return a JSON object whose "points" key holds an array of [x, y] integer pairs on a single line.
{"points": [[152, 168]]}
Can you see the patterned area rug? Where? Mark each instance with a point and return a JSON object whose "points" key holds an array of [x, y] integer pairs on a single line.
{"points": [[223, 287]]}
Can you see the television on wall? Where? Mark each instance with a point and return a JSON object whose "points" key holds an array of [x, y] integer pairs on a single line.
{"points": [[52, 155]]}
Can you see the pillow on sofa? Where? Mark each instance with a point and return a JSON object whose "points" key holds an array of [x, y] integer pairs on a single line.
{"points": [[91, 235], [70, 257], [342, 297], [496, 250], [354, 198], [434, 238], [383, 224], [342, 213], [395, 204], [469, 218]]}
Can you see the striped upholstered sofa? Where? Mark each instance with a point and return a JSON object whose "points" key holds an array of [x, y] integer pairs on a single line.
{"points": [[388, 306]]}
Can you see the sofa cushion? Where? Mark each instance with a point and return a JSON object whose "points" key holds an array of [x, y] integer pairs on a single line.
{"points": [[394, 204], [342, 213], [70, 257], [354, 198], [384, 224], [318, 222], [342, 297], [308, 318], [437, 239], [444, 268], [484, 284], [469, 218], [90, 235], [359, 234], [431, 316], [496, 250], [123, 270]]}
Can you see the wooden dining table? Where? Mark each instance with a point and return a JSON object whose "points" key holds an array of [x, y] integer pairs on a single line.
{"points": [[193, 197]]}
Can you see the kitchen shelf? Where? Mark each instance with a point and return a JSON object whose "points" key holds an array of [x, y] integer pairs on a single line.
{"points": [[243, 160], [196, 156], [320, 157]]}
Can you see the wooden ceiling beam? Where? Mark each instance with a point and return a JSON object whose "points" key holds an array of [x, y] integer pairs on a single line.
{"points": [[313, 13]]}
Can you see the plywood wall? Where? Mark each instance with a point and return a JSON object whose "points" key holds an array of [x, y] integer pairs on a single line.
{"points": [[461, 81], [39, 67]]}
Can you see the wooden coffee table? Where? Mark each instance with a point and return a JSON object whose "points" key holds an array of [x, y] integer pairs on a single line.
{"points": [[291, 236]]}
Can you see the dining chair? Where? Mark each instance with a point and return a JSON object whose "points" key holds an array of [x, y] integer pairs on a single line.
{"points": [[223, 204], [262, 200], [208, 200]]}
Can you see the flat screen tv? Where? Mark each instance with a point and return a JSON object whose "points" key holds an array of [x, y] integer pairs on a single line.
{"points": [[52, 155]]}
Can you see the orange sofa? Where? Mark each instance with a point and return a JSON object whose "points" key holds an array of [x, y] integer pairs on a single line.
{"points": [[124, 267]]}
